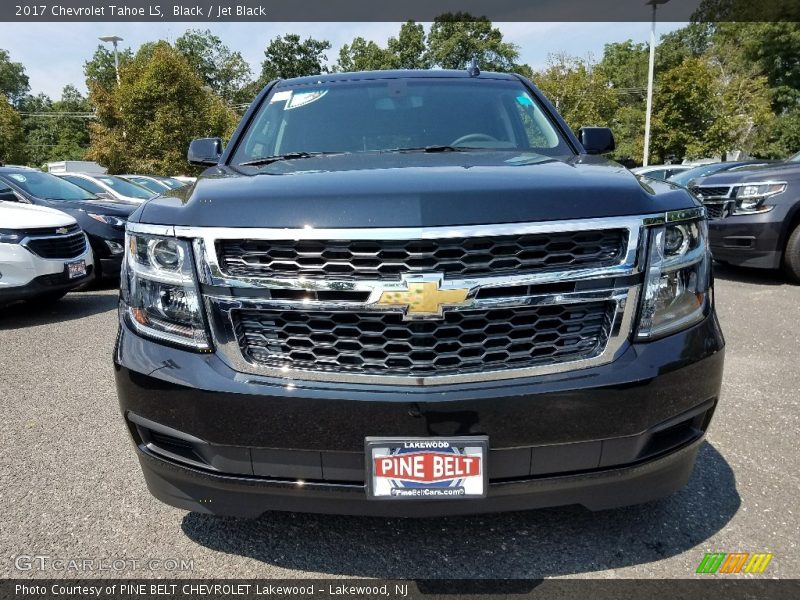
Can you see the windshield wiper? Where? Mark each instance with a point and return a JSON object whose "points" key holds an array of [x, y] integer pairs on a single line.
{"points": [[430, 149], [267, 160]]}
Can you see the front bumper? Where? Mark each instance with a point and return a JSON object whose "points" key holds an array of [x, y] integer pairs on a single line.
{"points": [[749, 240], [213, 440]]}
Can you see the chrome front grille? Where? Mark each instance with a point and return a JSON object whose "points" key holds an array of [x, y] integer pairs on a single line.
{"points": [[392, 258], [463, 341], [710, 191], [498, 301]]}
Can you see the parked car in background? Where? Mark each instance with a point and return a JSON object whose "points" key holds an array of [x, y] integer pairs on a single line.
{"points": [[688, 177], [103, 220], [43, 252], [754, 215], [155, 183], [110, 186], [662, 172]]}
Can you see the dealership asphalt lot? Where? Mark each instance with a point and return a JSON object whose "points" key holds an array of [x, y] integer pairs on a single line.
{"points": [[70, 486]]}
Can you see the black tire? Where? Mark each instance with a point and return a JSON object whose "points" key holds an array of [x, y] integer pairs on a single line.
{"points": [[46, 299], [791, 258]]}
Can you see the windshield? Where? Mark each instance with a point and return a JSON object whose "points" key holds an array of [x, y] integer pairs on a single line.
{"points": [[369, 116], [49, 187], [125, 188], [151, 185], [795, 158], [171, 183]]}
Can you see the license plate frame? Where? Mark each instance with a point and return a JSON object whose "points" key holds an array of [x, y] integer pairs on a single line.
{"points": [[465, 487], [76, 269]]}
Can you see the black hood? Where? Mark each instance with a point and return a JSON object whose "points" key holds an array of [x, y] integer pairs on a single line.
{"points": [[411, 190], [783, 171]]}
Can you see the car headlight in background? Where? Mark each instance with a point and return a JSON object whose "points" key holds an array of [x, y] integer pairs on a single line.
{"points": [[9, 236], [160, 290], [109, 220], [750, 197], [678, 275]]}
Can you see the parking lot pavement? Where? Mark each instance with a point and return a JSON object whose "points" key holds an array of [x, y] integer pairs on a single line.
{"points": [[70, 486]]}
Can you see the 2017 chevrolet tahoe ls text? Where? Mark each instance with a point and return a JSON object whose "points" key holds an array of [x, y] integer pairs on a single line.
{"points": [[415, 293]]}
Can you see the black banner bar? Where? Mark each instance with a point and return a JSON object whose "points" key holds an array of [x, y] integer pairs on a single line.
{"points": [[703, 587], [397, 10]]}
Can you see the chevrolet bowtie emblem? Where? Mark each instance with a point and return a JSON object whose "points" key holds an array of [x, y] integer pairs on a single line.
{"points": [[424, 298], [62, 230]]}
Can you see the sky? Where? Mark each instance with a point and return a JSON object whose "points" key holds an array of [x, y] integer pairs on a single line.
{"points": [[54, 53]]}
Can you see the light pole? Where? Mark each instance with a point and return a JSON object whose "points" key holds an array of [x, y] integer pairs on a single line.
{"points": [[114, 39], [650, 69]]}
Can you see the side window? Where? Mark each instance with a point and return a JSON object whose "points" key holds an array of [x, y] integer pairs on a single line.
{"points": [[659, 174], [537, 129]]}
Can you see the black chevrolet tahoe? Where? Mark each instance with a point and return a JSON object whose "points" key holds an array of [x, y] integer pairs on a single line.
{"points": [[414, 293], [755, 216]]}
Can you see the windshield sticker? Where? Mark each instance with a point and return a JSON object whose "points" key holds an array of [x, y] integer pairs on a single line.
{"points": [[18, 177], [280, 96], [524, 101], [303, 98]]}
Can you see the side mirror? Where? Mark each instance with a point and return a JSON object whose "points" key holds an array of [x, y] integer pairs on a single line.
{"points": [[596, 140], [205, 152]]}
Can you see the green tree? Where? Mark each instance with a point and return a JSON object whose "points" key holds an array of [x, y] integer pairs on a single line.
{"points": [[408, 49], [100, 69], [624, 65], [701, 110], [692, 41], [223, 70], [13, 80], [363, 55], [578, 90], [773, 48], [289, 56], [56, 130], [12, 134], [455, 38], [146, 123]]}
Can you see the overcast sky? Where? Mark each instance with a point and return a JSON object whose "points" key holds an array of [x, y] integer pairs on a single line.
{"points": [[54, 53]]}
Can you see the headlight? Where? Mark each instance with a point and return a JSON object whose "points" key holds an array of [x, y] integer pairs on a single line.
{"points": [[750, 197], [108, 220], [9, 236], [160, 291], [678, 276]]}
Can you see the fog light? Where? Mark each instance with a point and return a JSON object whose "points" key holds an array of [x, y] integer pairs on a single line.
{"points": [[114, 247]]}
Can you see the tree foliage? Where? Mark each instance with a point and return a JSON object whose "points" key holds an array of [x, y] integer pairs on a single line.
{"points": [[290, 56], [224, 71], [578, 89], [12, 134], [100, 69], [56, 130], [13, 80], [456, 38], [146, 123]]}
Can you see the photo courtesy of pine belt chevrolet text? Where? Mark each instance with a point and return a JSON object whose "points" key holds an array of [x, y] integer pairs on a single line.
{"points": [[415, 293]]}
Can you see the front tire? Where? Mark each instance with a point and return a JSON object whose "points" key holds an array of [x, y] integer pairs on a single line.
{"points": [[791, 258]]}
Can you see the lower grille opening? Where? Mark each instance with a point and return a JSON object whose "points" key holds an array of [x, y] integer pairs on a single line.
{"points": [[462, 341]]}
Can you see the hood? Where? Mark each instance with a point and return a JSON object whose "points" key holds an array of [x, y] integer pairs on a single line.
{"points": [[14, 215], [99, 206], [783, 171], [413, 190]]}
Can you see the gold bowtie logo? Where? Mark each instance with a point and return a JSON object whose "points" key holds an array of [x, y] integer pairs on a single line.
{"points": [[424, 298]]}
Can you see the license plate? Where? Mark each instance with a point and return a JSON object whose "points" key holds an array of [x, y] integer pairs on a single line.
{"points": [[426, 468], [76, 269]]}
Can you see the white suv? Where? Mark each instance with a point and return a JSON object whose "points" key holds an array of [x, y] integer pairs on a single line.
{"points": [[43, 253]]}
